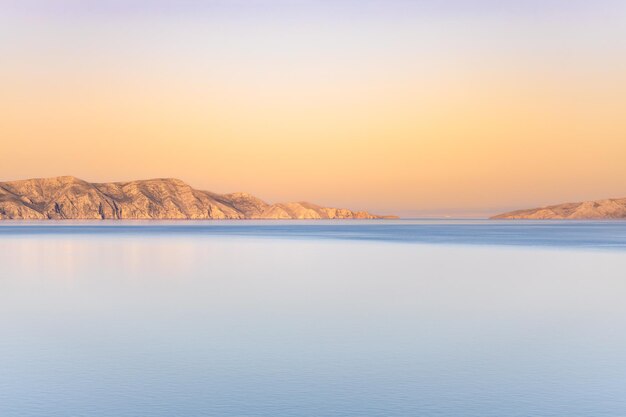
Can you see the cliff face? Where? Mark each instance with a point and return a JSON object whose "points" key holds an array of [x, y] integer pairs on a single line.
{"points": [[600, 209], [73, 198]]}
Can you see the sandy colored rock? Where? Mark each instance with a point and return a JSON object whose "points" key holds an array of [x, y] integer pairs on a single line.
{"points": [[586, 210], [72, 198]]}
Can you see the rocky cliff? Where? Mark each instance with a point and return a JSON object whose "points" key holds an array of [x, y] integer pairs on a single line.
{"points": [[73, 198], [599, 209]]}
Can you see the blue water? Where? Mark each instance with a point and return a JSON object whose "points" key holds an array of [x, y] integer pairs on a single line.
{"points": [[402, 318], [584, 234]]}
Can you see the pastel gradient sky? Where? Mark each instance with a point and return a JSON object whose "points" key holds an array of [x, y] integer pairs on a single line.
{"points": [[418, 108]]}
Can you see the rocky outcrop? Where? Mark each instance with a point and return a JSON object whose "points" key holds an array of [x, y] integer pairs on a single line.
{"points": [[587, 210], [72, 198]]}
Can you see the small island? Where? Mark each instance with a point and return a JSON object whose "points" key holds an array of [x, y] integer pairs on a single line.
{"points": [[68, 197]]}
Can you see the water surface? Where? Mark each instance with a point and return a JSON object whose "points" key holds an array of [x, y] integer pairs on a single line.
{"points": [[584, 234], [416, 318]]}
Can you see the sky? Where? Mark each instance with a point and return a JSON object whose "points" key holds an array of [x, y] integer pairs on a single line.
{"points": [[417, 108]]}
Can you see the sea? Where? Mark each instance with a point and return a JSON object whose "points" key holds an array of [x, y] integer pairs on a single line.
{"points": [[390, 318]]}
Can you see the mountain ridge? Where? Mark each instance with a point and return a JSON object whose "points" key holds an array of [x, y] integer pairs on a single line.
{"points": [[612, 208], [71, 198]]}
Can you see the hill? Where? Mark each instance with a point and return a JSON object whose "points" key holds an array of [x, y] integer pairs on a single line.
{"points": [[72, 198], [590, 210]]}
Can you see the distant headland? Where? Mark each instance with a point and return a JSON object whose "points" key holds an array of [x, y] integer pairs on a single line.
{"points": [[586, 210], [69, 197]]}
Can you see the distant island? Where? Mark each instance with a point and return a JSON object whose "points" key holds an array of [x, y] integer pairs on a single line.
{"points": [[586, 210], [69, 197]]}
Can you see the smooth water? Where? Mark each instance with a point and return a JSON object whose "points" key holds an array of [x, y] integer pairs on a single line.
{"points": [[322, 319], [596, 234]]}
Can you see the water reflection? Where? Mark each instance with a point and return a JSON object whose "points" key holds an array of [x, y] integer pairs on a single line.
{"points": [[181, 323]]}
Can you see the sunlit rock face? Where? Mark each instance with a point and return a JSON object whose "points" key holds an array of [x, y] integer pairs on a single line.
{"points": [[72, 198], [599, 209]]}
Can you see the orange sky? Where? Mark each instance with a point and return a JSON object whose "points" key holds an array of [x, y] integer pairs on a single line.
{"points": [[418, 113]]}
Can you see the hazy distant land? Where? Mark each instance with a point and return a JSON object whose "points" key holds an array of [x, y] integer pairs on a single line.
{"points": [[72, 198], [586, 210]]}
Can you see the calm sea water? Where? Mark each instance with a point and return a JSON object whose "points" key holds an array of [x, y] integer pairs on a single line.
{"points": [[321, 319]]}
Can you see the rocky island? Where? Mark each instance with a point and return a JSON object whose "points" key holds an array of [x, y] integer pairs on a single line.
{"points": [[586, 210], [72, 198]]}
